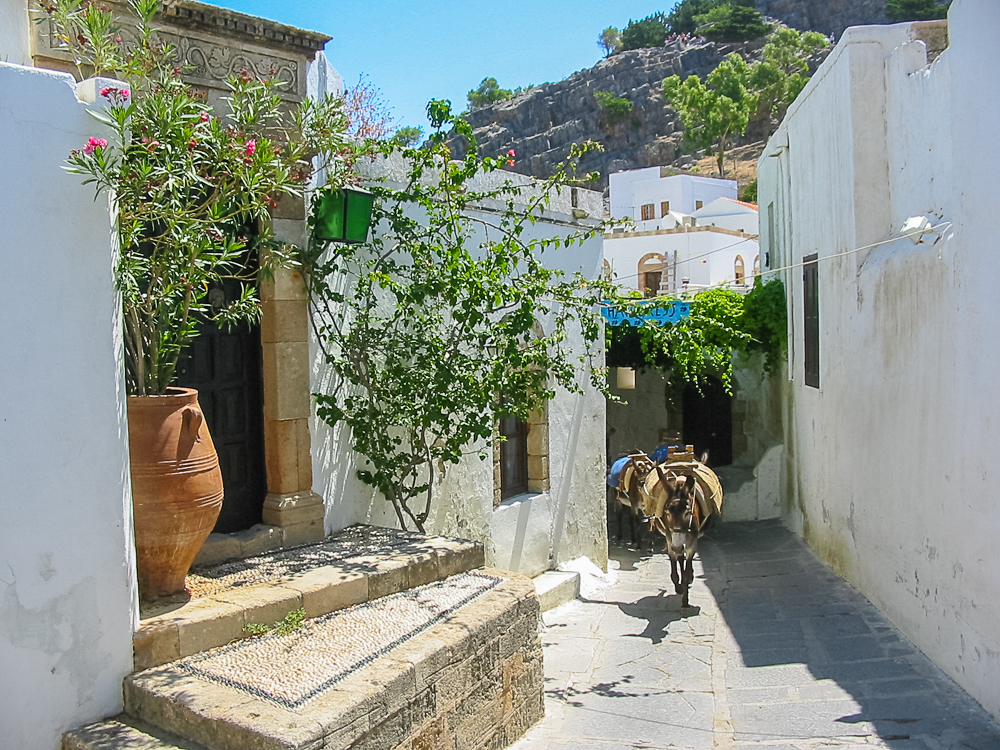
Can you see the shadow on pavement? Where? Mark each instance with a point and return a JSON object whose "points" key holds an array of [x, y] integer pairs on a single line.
{"points": [[810, 657]]}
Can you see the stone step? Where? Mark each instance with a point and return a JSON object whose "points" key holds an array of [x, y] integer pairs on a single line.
{"points": [[356, 565], [454, 663], [555, 587], [125, 732]]}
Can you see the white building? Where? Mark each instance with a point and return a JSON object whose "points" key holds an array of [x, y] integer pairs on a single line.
{"points": [[655, 199], [699, 234], [891, 420]]}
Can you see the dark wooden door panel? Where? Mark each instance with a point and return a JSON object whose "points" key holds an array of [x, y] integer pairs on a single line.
{"points": [[225, 366]]}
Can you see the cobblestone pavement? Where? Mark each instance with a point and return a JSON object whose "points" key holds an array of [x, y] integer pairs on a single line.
{"points": [[777, 652]]}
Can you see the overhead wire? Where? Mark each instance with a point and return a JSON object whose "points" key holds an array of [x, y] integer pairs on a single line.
{"points": [[930, 230]]}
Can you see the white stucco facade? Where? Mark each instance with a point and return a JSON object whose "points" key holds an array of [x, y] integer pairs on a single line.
{"points": [[706, 256], [15, 44], [68, 598], [891, 474], [529, 533], [653, 186]]}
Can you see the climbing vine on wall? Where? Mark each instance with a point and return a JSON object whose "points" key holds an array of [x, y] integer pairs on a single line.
{"points": [[722, 323]]}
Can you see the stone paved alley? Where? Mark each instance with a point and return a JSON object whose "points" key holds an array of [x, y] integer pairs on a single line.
{"points": [[777, 652]]}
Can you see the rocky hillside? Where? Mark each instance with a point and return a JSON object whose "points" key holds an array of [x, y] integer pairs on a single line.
{"points": [[541, 123], [827, 16]]}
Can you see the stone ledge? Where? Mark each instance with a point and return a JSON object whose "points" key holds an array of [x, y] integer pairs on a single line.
{"points": [[555, 587], [172, 630], [125, 732], [474, 680]]}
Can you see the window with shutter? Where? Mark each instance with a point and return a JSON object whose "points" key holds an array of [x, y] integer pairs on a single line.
{"points": [[810, 297]]}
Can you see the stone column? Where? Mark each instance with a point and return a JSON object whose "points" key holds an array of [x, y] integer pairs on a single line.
{"points": [[290, 504]]}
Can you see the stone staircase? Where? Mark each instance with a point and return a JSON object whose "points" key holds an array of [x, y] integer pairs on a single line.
{"points": [[409, 643]]}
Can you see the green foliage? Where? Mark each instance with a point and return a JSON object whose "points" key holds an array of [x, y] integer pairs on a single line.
{"points": [[615, 109], [916, 10], [783, 70], [610, 40], [722, 323], [285, 626], [749, 193], [715, 110], [408, 136], [651, 31], [192, 191], [488, 92], [765, 320], [682, 19], [429, 330], [733, 23]]}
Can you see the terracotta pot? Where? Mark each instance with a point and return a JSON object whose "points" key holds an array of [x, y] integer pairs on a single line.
{"points": [[176, 486]]}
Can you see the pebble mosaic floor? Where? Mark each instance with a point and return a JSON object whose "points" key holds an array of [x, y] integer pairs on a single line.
{"points": [[352, 542], [291, 670]]}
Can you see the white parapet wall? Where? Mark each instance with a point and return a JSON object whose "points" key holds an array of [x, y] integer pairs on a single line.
{"points": [[67, 585], [15, 32], [891, 463]]}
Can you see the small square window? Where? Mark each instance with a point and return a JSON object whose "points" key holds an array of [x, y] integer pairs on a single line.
{"points": [[698, 204], [648, 212]]}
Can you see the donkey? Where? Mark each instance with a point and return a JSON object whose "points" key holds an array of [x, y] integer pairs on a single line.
{"points": [[677, 513], [628, 478]]}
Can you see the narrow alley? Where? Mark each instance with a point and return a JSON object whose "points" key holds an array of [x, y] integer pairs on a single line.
{"points": [[776, 652]]}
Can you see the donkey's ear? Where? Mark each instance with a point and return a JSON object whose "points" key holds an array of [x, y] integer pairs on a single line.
{"points": [[690, 482], [704, 457]]}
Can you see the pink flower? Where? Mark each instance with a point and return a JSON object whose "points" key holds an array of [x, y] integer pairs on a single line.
{"points": [[125, 93], [251, 147], [511, 153], [204, 117], [93, 144], [105, 91]]}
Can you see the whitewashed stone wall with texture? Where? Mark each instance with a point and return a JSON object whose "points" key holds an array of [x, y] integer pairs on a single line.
{"points": [[528, 533], [15, 38], [891, 470], [68, 600]]}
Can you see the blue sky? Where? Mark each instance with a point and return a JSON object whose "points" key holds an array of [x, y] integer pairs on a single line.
{"points": [[414, 52]]}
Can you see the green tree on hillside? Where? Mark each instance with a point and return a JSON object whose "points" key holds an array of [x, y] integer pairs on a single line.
{"points": [[683, 18], [715, 110], [783, 70], [732, 23], [610, 41], [651, 31], [408, 136], [614, 109], [916, 10], [488, 92]]}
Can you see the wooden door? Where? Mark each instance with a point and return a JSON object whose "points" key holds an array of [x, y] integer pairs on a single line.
{"points": [[708, 421], [226, 367]]}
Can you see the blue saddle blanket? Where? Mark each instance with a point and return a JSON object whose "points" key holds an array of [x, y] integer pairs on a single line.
{"points": [[615, 475], [660, 454]]}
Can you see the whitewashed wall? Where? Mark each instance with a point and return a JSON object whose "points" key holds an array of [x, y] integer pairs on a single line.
{"points": [[67, 583], [529, 533], [15, 40], [705, 256], [891, 470]]}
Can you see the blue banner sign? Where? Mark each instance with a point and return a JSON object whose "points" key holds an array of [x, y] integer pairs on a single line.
{"points": [[671, 313]]}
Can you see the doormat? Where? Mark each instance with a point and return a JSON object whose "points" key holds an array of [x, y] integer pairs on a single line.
{"points": [[291, 670]]}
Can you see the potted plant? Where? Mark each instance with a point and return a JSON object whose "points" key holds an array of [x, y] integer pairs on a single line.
{"points": [[191, 191]]}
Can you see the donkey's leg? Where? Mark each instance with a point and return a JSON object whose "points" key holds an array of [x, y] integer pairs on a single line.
{"points": [[673, 572]]}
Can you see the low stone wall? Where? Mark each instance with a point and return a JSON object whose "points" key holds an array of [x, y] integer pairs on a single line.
{"points": [[471, 679]]}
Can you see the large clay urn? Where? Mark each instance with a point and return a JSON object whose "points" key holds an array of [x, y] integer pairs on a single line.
{"points": [[176, 486]]}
